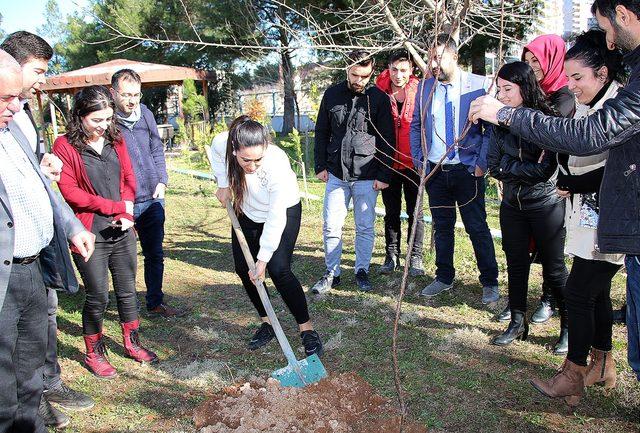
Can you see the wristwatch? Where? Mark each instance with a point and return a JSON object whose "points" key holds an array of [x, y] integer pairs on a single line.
{"points": [[504, 116]]}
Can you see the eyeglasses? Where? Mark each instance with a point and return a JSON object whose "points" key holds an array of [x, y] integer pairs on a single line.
{"points": [[130, 95]]}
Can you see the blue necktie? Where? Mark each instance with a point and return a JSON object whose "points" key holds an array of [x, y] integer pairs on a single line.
{"points": [[449, 123]]}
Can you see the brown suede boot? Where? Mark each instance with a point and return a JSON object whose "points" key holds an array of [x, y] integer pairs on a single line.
{"points": [[567, 384], [601, 369]]}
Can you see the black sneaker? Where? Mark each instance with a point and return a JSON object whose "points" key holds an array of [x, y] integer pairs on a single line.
{"points": [[312, 343], [68, 398], [362, 281], [263, 335], [391, 263], [324, 284], [416, 267], [51, 416]]}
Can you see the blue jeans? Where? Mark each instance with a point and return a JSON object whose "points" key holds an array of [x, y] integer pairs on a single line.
{"points": [[337, 195], [451, 185], [632, 263], [149, 218]]}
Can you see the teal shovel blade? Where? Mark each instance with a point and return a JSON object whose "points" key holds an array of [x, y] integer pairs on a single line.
{"points": [[304, 372]]}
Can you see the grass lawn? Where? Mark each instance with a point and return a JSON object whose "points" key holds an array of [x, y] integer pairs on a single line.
{"points": [[454, 380]]}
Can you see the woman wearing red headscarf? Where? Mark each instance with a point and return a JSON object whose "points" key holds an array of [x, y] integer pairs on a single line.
{"points": [[545, 55]]}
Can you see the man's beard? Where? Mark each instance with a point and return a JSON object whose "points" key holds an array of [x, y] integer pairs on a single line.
{"points": [[441, 75], [623, 40], [358, 89]]}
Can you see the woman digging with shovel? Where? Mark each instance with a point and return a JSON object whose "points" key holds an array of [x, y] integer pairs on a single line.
{"points": [[266, 199]]}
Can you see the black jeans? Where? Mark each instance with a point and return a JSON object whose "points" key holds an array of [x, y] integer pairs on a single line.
{"points": [[451, 185], [150, 229], [120, 259], [588, 298], [23, 342], [51, 366], [546, 225], [279, 266], [392, 199]]}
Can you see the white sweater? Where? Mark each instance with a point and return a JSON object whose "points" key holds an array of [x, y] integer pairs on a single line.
{"points": [[582, 237], [271, 190]]}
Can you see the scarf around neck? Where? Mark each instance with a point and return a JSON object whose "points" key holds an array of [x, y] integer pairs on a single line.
{"points": [[129, 121]]}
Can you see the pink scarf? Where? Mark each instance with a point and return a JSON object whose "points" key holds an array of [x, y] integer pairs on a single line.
{"points": [[550, 51]]}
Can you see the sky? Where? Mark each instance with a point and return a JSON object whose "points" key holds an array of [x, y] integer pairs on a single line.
{"points": [[29, 14]]}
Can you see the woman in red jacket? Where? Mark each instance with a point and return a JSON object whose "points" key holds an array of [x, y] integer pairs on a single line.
{"points": [[98, 183]]}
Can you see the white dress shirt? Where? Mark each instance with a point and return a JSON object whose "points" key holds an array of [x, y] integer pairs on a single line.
{"points": [[439, 133], [30, 205], [21, 118]]}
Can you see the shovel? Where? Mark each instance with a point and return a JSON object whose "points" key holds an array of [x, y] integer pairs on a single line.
{"points": [[296, 373]]}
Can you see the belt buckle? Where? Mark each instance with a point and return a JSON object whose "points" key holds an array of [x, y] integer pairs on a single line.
{"points": [[26, 260]]}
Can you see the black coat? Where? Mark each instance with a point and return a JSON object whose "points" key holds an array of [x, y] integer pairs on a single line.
{"points": [[563, 101], [355, 137], [616, 127], [528, 176]]}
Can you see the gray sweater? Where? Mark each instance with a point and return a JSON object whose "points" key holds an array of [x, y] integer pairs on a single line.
{"points": [[147, 154]]}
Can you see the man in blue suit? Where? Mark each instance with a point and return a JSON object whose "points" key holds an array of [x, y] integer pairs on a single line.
{"points": [[32, 215], [438, 123]]}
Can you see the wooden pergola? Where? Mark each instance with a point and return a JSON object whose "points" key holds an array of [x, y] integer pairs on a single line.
{"points": [[151, 74]]}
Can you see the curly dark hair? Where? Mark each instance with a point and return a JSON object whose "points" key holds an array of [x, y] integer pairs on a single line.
{"points": [[521, 74], [87, 101]]}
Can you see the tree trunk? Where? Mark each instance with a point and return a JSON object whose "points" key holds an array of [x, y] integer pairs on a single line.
{"points": [[288, 121], [288, 84], [478, 50]]}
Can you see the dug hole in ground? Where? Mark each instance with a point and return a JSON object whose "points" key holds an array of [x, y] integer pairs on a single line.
{"points": [[342, 403]]}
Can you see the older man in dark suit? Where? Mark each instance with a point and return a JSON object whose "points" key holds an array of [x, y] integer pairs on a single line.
{"points": [[31, 216]]}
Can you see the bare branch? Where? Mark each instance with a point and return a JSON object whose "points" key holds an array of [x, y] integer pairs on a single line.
{"points": [[186, 12]]}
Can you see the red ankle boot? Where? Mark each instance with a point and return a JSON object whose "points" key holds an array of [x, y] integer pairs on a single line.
{"points": [[132, 345], [96, 358]]}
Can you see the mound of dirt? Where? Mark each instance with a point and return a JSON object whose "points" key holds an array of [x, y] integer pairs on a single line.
{"points": [[342, 403]]}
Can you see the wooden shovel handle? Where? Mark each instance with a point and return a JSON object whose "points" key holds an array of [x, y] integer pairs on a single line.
{"points": [[282, 339]]}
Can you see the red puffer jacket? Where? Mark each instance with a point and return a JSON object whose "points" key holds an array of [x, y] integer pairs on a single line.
{"points": [[401, 121]]}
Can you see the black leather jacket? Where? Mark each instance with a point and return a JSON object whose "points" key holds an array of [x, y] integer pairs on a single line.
{"points": [[527, 175], [616, 127], [355, 135]]}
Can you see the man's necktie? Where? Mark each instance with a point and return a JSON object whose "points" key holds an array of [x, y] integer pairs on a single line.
{"points": [[449, 122]]}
